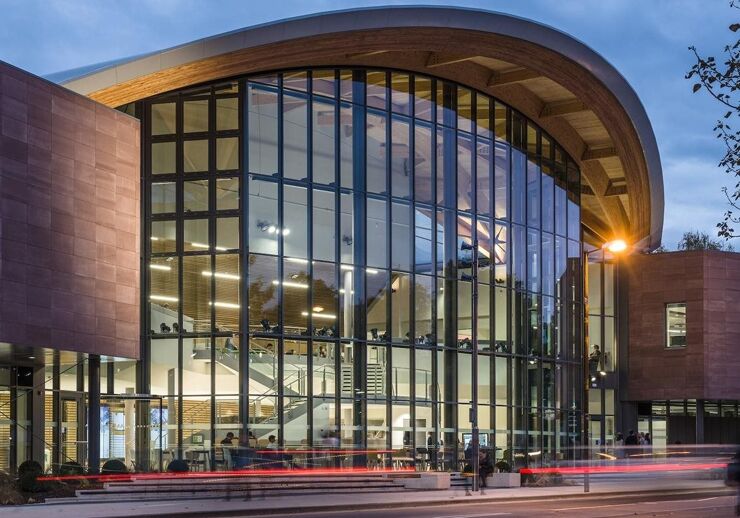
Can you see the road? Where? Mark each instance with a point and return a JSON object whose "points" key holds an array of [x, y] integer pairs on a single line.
{"points": [[716, 507]]}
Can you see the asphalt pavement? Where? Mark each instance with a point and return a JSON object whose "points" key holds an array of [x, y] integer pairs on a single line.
{"points": [[714, 507]]}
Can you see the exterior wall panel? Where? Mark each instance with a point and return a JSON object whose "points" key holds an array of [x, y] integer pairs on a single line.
{"points": [[69, 220], [707, 367]]}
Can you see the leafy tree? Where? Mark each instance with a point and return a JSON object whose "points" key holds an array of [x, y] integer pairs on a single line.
{"points": [[720, 78], [695, 240]]}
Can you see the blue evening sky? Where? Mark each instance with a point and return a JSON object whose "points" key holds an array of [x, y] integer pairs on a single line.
{"points": [[646, 40]]}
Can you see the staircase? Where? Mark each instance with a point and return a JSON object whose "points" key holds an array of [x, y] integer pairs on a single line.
{"points": [[244, 486]]}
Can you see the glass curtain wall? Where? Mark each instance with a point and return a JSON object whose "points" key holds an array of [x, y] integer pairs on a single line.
{"points": [[602, 348], [307, 277]]}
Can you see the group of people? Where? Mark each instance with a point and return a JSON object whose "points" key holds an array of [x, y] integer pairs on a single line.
{"points": [[228, 444], [634, 443]]}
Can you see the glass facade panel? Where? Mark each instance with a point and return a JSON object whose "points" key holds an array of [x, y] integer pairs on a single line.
{"points": [[353, 283]]}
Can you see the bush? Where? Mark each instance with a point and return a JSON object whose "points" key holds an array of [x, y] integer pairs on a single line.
{"points": [[503, 466], [29, 466], [28, 482], [178, 466], [70, 468], [114, 466]]}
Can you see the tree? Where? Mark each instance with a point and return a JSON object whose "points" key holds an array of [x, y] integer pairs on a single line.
{"points": [[695, 240], [721, 80]]}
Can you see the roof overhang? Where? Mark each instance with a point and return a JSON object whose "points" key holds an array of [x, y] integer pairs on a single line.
{"points": [[564, 86]]}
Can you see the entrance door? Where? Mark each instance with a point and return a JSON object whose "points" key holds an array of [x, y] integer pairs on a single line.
{"points": [[72, 444]]}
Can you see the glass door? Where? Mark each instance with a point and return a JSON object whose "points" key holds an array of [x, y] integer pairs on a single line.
{"points": [[72, 443]]}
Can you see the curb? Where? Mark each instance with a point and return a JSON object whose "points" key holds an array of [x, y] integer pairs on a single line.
{"points": [[637, 495]]}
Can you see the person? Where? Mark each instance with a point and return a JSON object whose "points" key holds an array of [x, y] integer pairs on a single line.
{"points": [[430, 440], [431, 449], [226, 444], [252, 440], [229, 346], [619, 445], [629, 442], [272, 443], [322, 351], [485, 466], [733, 478], [594, 359], [648, 443]]}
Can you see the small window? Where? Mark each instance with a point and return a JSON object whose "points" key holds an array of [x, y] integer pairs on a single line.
{"points": [[675, 317]]}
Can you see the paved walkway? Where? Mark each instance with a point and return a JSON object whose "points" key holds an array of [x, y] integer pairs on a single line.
{"points": [[327, 502]]}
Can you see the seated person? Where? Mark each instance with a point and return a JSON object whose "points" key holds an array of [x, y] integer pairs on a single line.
{"points": [[226, 445]]}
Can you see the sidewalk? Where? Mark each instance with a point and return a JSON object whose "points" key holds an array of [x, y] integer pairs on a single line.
{"points": [[328, 502]]}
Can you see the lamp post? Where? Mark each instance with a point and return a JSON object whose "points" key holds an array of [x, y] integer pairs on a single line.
{"points": [[615, 247], [475, 461]]}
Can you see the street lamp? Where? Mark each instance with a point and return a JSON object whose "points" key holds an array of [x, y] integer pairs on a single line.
{"points": [[616, 247], [475, 461]]}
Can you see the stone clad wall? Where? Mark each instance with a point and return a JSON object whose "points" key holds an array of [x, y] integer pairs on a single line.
{"points": [[69, 220], [709, 366]]}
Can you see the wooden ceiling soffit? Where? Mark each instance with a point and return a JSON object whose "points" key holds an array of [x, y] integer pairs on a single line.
{"points": [[365, 54], [512, 76], [437, 59], [599, 182], [617, 187], [556, 109], [592, 154]]}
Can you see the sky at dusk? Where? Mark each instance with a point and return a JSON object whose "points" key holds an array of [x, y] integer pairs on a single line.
{"points": [[646, 40]]}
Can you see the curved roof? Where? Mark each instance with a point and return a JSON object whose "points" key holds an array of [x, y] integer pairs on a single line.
{"points": [[557, 81]]}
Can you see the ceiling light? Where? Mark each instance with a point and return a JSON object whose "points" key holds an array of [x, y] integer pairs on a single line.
{"points": [[271, 229], [371, 271], [296, 260], [319, 315], [31, 357], [318, 309], [153, 238], [286, 231], [347, 267], [162, 267], [220, 275], [291, 284], [199, 245], [228, 305], [163, 298]]}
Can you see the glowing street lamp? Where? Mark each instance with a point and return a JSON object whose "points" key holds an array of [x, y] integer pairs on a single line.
{"points": [[616, 246]]}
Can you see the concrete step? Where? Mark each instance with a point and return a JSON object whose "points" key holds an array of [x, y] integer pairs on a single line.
{"points": [[231, 486], [303, 479], [261, 493]]}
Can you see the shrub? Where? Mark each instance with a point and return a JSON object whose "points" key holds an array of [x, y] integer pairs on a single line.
{"points": [[503, 466], [114, 466], [28, 482], [70, 468], [29, 466], [178, 466]]}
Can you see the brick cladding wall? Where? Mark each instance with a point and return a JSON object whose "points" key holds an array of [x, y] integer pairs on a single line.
{"points": [[709, 366], [69, 220]]}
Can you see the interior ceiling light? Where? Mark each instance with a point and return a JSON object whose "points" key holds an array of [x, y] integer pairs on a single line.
{"points": [[228, 305], [319, 315], [289, 284], [163, 298], [318, 309], [219, 275], [162, 267], [199, 245]]}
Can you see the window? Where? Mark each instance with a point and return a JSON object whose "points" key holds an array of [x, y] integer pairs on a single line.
{"points": [[675, 318]]}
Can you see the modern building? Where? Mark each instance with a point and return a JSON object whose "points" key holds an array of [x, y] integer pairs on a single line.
{"points": [[271, 232]]}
